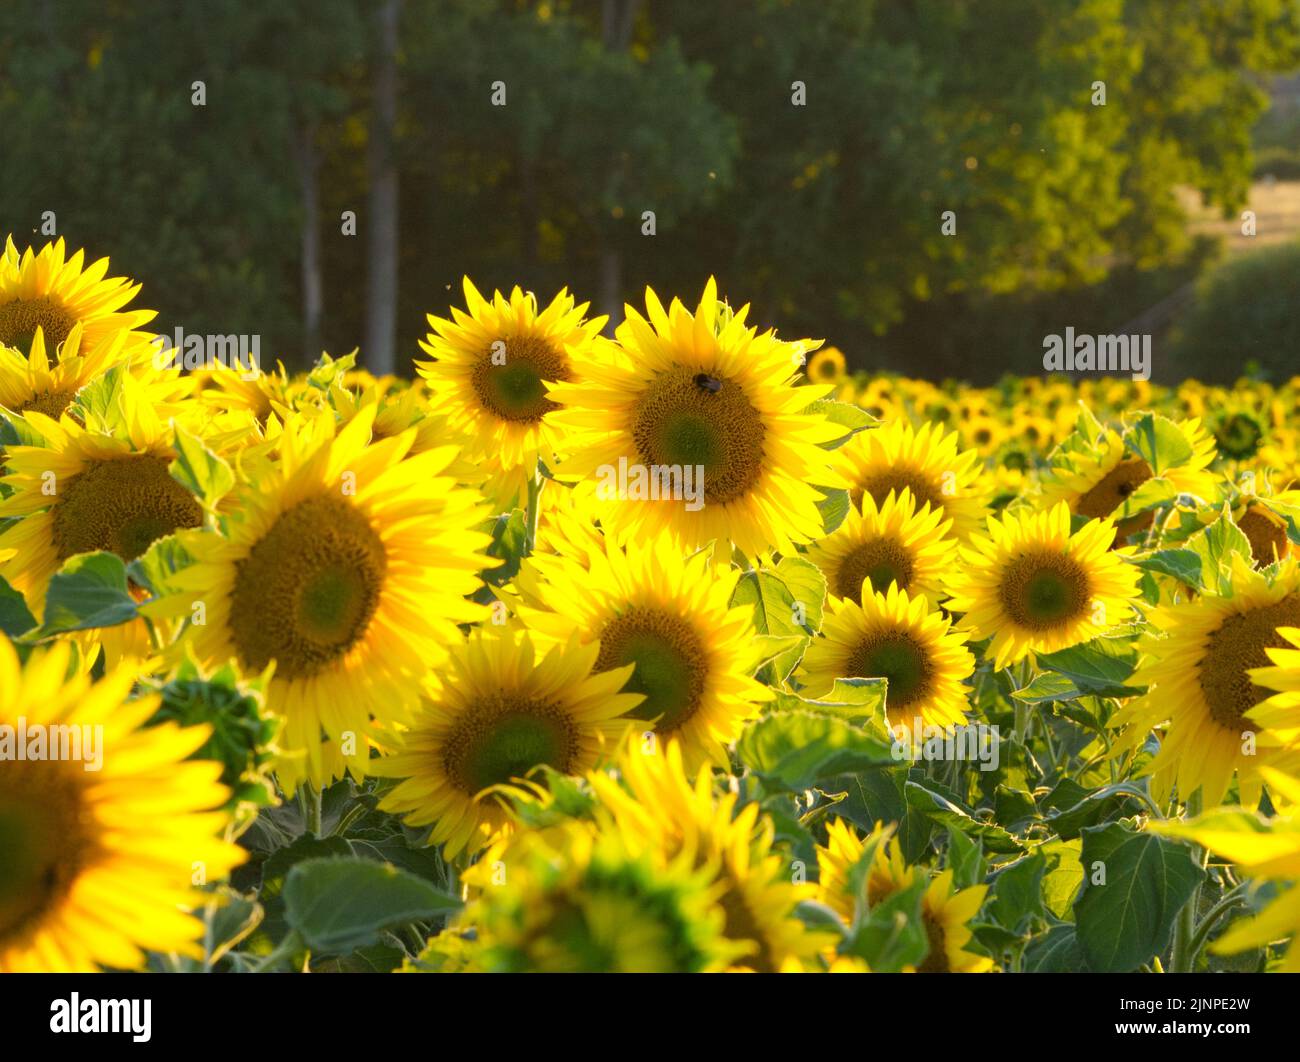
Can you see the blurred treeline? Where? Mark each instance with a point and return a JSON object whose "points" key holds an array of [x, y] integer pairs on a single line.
{"points": [[827, 216]]}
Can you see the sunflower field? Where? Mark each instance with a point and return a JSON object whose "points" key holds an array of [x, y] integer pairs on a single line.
{"points": [[680, 650]]}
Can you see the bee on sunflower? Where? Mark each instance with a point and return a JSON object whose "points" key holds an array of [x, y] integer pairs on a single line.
{"points": [[700, 390]]}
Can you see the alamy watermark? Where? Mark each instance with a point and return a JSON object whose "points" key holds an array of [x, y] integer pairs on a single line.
{"points": [[82, 743], [1071, 353], [237, 352], [631, 481], [922, 741]]}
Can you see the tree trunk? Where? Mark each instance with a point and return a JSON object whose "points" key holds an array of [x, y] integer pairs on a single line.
{"points": [[617, 21], [380, 353], [313, 297]]}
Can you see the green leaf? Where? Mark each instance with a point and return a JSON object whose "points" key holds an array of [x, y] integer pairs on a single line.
{"points": [[154, 569], [793, 750], [834, 507], [510, 543], [1056, 951], [232, 918], [924, 797], [1047, 687], [340, 905], [199, 470], [892, 934], [1161, 443], [786, 600], [1182, 564], [88, 592], [965, 859], [15, 618], [1215, 546], [1063, 875], [851, 417], [1018, 892], [1100, 667], [1129, 919]]}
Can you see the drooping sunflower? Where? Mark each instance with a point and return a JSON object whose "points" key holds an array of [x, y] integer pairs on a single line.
{"points": [[890, 543], [1198, 670], [99, 861], [925, 461], [1032, 586], [946, 910], [47, 291], [656, 807], [1096, 481], [671, 619], [489, 374], [698, 391], [346, 564], [86, 490], [900, 638], [499, 710], [574, 900]]}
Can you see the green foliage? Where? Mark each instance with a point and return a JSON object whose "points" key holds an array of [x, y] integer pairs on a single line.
{"points": [[1244, 311]]}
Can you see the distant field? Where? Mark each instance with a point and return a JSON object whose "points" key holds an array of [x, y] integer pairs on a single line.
{"points": [[1277, 216]]}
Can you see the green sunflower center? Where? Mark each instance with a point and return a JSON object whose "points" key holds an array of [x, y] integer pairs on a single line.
{"points": [[690, 418], [881, 561], [512, 386], [503, 737], [1044, 591], [121, 505], [20, 318], [898, 657], [44, 840], [1239, 644], [671, 665], [878, 484], [307, 590], [1238, 436]]}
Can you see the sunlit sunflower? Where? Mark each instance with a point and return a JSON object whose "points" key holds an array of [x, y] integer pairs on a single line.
{"points": [[657, 808], [924, 461], [887, 543], [946, 910], [489, 373], [1280, 714], [669, 617], [1032, 586], [1264, 849], [99, 862], [45, 290], [1097, 481], [571, 900], [900, 638], [346, 565], [499, 710], [826, 366], [1198, 665], [699, 391], [36, 383], [83, 491]]}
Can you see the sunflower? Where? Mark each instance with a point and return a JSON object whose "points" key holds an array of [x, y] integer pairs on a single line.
{"points": [[85, 490], [1267, 850], [655, 807], [99, 862], [44, 292], [1199, 667], [1098, 479], [899, 638], [489, 374], [500, 710], [574, 900], [345, 564], [1032, 586], [884, 544], [699, 391], [826, 366], [945, 910], [1279, 715], [670, 618], [924, 461], [1265, 527]]}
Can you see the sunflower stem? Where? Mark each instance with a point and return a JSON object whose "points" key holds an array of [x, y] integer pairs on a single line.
{"points": [[1226, 903], [309, 800], [534, 493], [1182, 958]]}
